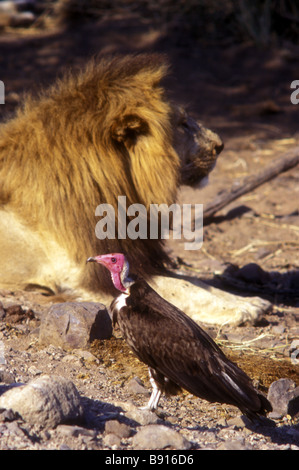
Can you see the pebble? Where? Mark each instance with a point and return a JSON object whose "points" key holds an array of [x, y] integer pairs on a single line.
{"points": [[7, 415], [86, 356], [293, 351], [141, 416], [6, 377], [112, 440], [136, 385], [238, 422], [75, 431], [236, 444], [121, 430], [157, 436], [74, 325], [34, 370]]}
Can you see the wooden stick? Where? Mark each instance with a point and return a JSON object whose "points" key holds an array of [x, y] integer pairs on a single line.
{"points": [[284, 163]]}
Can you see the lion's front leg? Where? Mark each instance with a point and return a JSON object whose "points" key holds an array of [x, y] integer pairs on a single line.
{"points": [[208, 304]]}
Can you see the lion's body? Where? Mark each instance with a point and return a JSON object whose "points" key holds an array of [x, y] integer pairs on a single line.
{"points": [[103, 133]]}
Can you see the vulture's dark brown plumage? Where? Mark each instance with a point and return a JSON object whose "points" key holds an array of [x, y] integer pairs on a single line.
{"points": [[178, 352]]}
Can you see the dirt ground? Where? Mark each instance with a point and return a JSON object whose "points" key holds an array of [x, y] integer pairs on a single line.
{"points": [[243, 93]]}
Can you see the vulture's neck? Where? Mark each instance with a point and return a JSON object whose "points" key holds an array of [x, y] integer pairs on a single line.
{"points": [[122, 281]]}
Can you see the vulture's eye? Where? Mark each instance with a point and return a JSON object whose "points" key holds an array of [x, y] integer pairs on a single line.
{"points": [[113, 260]]}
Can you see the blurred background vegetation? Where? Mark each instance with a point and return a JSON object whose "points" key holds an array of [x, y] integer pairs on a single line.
{"points": [[264, 22]]}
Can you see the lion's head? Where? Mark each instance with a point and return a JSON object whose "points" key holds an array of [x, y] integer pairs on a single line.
{"points": [[197, 146]]}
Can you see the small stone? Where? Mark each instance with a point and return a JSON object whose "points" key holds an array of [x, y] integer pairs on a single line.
{"points": [[111, 440], [275, 415], [284, 397], [119, 429], [278, 329], [64, 447], [34, 370], [15, 428], [74, 325], [2, 312], [46, 401], [6, 377], [157, 436], [14, 313], [222, 423], [71, 358], [22, 19], [237, 444], [136, 385], [7, 415], [141, 416], [238, 422], [75, 431], [294, 351], [86, 356]]}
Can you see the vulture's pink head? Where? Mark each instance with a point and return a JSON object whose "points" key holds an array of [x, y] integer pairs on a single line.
{"points": [[118, 267]]}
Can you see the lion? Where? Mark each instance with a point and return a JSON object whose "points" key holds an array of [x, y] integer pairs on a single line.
{"points": [[105, 131]]}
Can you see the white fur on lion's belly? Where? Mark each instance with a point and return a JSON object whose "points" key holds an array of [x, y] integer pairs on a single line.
{"points": [[40, 262]]}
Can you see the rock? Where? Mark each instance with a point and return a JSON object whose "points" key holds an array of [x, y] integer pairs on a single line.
{"points": [[7, 415], [22, 19], [284, 398], [278, 329], [34, 370], [236, 444], [238, 422], [86, 356], [141, 416], [6, 377], [136, 385], [144, 417], [294, 351], [75, 431], [157, 436], [2, 312], [111, 440], [46, 401], [74, 325], [121, 430], [16, 313]]}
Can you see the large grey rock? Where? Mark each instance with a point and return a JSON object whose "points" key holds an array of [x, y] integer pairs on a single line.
{"points": [[46, 401], [74, 325], [157, 436], [284, 397]]}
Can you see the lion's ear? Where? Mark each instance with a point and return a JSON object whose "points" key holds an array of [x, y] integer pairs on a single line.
{"points": [[128, 129]]}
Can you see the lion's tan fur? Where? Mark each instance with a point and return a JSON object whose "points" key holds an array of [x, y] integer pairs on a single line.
{"points": [[104, 132]]}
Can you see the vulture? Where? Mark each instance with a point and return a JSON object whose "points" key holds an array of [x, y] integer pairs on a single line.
{"points": [[177, 351]]}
